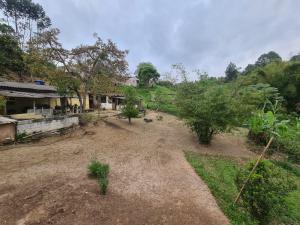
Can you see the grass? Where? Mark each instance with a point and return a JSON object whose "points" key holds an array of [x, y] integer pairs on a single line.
{"points": [[100, 171], [167, 94], [219, 174]]}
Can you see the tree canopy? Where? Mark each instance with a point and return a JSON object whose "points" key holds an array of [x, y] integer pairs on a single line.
{"points": [[146, 73]]}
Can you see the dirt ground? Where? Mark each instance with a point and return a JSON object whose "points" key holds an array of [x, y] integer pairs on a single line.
{"points": [[150, 181]]}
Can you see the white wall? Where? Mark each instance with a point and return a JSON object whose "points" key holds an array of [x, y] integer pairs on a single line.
{"points": [[43, 125]]}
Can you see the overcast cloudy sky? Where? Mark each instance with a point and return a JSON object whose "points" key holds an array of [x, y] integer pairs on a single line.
{"points": [[201, 34]]}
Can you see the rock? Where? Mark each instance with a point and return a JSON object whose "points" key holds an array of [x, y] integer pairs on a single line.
{"points": [[148, 120]]}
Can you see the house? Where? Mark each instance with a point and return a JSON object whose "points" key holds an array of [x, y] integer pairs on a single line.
{"points": [[132, 81], [29, 98], [37, 98]]}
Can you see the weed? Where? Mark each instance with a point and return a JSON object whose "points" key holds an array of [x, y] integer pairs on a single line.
{"points": [[100, 171]]}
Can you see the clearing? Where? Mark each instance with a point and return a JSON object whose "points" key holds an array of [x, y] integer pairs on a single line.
{"points": [[150, 181]]}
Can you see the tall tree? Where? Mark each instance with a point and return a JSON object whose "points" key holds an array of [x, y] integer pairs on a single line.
{"points": [[26, 16], [10, 53], [231, 72], [146, 73]]}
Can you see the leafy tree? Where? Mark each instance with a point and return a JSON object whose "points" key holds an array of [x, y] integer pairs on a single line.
{"points": [[146, 73], [10, 53], [231, 72], [295, 58], [84, 65], [267, 188], [267, 58], [285, 76], [207, 107], [130, 110]]}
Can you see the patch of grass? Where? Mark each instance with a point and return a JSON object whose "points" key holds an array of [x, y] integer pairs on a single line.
{"points": [[167, 98], [292, 215], [100, 171], [219, 175]]}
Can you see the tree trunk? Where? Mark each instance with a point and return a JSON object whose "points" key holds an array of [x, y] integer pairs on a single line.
{"points": [[84, 98], [80, 101], [95, 102], [129, 120]]}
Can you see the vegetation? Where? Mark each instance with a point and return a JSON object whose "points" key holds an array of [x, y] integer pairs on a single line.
{"points": [[159, 97], [220, 175], [266, 190], [207, 107], [130, 109], [100, 171], [146, 73]]}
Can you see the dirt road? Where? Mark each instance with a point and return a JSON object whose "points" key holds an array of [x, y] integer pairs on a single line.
{"points": [[150, 181]]}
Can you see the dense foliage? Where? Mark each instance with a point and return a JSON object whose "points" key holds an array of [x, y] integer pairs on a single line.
{"points": [[207, 107], [266, 190], [10, 52], [220, 175]]}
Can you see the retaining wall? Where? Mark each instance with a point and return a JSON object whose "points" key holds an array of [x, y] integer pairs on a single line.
{"points": [[43, 125]]}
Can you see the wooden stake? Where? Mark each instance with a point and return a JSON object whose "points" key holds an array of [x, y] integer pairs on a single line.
{"points": [[253, 169]]}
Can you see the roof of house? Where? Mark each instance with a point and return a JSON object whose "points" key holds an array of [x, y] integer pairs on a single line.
{"points": [[5, 120], [31, 86], [18, 94]]}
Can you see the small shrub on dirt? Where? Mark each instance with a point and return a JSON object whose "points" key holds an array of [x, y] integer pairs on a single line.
{"points": [[265, 193], [86, 118], [103, 184], [100, 171]]}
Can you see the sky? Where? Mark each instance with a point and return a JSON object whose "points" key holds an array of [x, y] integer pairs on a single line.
{"points": [[202, 34]]}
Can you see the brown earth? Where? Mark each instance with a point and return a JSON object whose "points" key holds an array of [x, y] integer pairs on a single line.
{"points": [[150, 181]]}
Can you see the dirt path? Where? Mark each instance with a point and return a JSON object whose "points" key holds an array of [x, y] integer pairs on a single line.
{"points": [[150, 180]]}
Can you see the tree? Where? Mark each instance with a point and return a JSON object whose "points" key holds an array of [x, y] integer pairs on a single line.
{"points": [[25, 14], [267, 188], [207, 107], [295, 58], [130, 109], [100, 60], [84, 65], [285, 76], [10, 53], [231, 72], [146, 73], [267, 58]]}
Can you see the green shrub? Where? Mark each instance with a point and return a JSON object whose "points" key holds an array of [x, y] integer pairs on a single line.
{"points": [[100, 171], [103, 184], [208, 108], [265, 193], [131, 101]]}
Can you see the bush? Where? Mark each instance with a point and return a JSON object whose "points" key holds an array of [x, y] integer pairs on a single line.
{"points": [[85, 118], [208, 108], [100, 171], [264, 195]]}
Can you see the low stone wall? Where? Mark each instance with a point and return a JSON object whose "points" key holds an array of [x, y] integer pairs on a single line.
{"points": [[43, 125]]}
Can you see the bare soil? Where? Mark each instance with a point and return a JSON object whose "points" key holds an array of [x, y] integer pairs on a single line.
{"points": [[150, 181]]}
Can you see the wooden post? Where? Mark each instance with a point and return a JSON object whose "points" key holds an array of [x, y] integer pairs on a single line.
{"points": [[253, 169]]}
